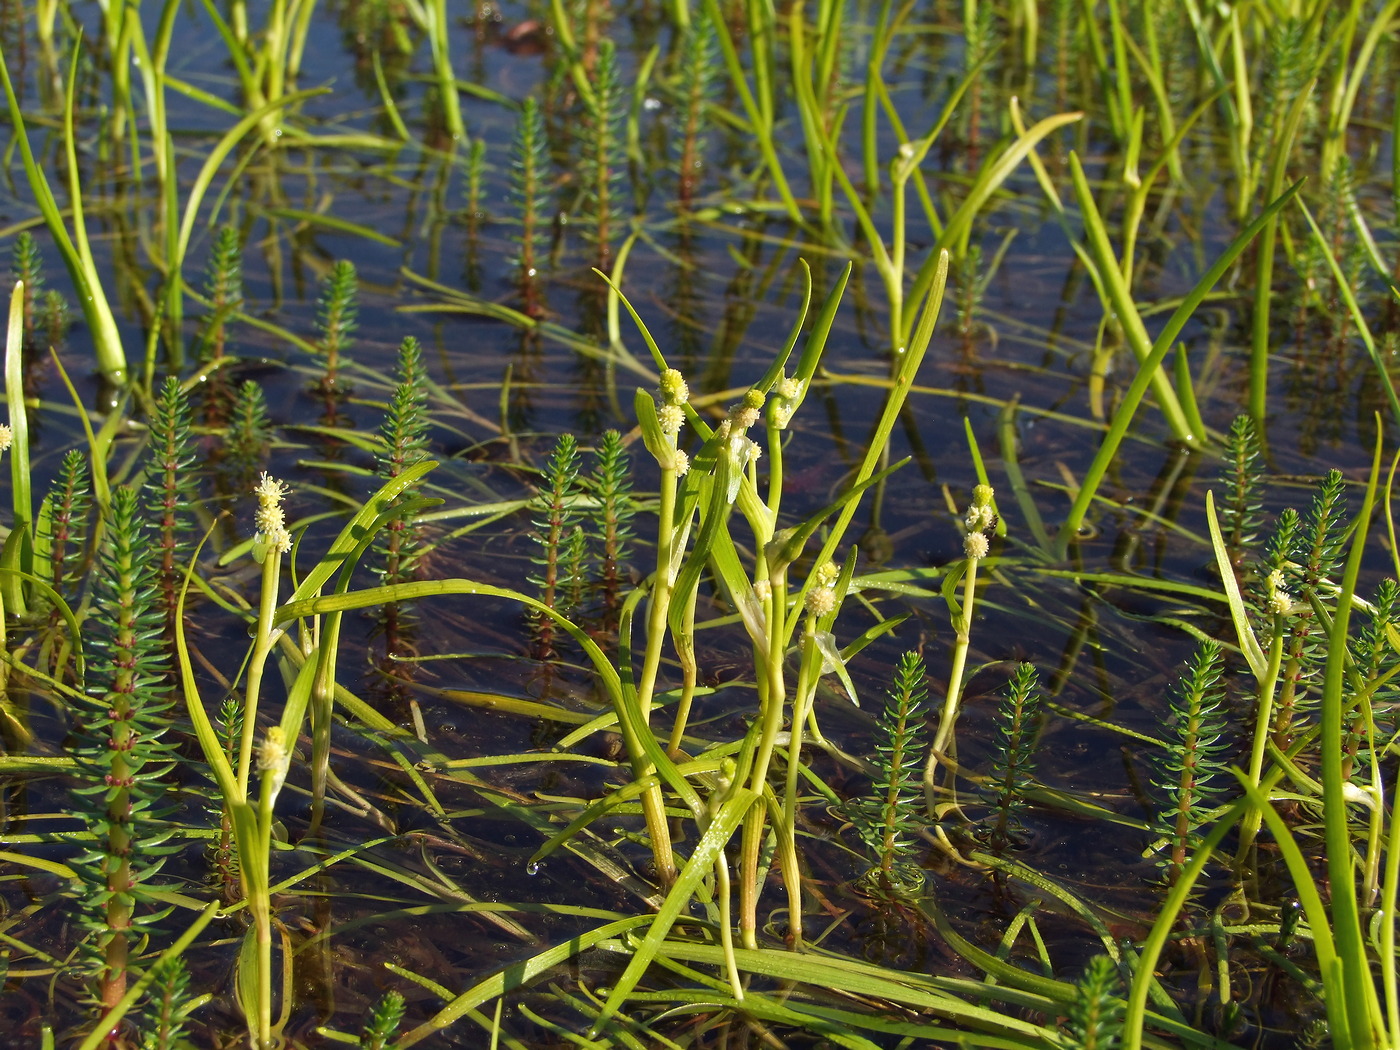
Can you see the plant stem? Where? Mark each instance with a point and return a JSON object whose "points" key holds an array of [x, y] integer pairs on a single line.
{"points": [[947, 718]]}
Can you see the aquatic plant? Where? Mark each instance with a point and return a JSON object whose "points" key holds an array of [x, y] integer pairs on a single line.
{"points": [[1013, 760], [54, 318], [249, 430], [1191, 774], [889, 821], [1373, 704], [223, 288], [695, 86], [600, 172], [1303, 560], [122, 754], [979, 522], [1096, 1011], [168, 1002], [611, 484], [336, 319], [64, 524], [168, 493], [404, 437], [75, 247], [1243, 480], [383, 1022], [529, 167], [28, 268], [558, 535], [684, 828]]}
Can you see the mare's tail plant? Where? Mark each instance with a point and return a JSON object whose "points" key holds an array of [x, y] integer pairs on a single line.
{"points": [[223, 288], [1377, 674], [1243, 478], [54, 317], [697, 74], [1014, 763], [559, 536], [383, 1022], [169, 492], [167, 1004], [64, 524], [339, 311], [981, 519], [602, 153], [475, 214], [1096, 1011], [404, 436], [61, 554], [120, 748], [222, 854], [981, 41], [1304, 570], [46, 314], [970, 286], [529, 169], [28, 267], [1190, 772], [890, 821], [612, 487], [249, 430]]}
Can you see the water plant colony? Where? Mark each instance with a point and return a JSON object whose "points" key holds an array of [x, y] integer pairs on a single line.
{"points": [[700, 524]]}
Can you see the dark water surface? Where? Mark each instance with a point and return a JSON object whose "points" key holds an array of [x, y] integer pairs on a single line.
{"points": [[719, 287]]}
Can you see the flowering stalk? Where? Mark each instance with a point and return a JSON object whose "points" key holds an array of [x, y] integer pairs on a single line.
{"points": [[674, 465], [1279, 604], [7, 438], [738, 456], [269, 544], [668, 416], [271, 541], [981, 517], [821, 604]]}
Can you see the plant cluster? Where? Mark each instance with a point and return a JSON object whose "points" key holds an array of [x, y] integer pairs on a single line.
{"points": [[184, 633]]}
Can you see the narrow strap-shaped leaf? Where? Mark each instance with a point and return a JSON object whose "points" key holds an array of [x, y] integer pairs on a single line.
{"points": [[1249, 644], [514, 976], [1145, 975], [1137, 389], [354, 534], [708, 851], [1354, 308], [608, 676], [209, 741], [788, 545]]}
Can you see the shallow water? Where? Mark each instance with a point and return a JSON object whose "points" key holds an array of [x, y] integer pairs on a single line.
{"points": [[719, 287]]}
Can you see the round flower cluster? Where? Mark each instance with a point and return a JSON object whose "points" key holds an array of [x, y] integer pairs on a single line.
{"points": [[821, 596], [274, 758], [270, 521], [674, 389], [745, 413], [980, 515], [788, 391], [980, 520], [1280, 601], [975, 546], [674, 392], [670, 417]]}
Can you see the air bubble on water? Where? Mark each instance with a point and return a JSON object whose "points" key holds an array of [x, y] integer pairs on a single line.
{"points": [[533, 868]]}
